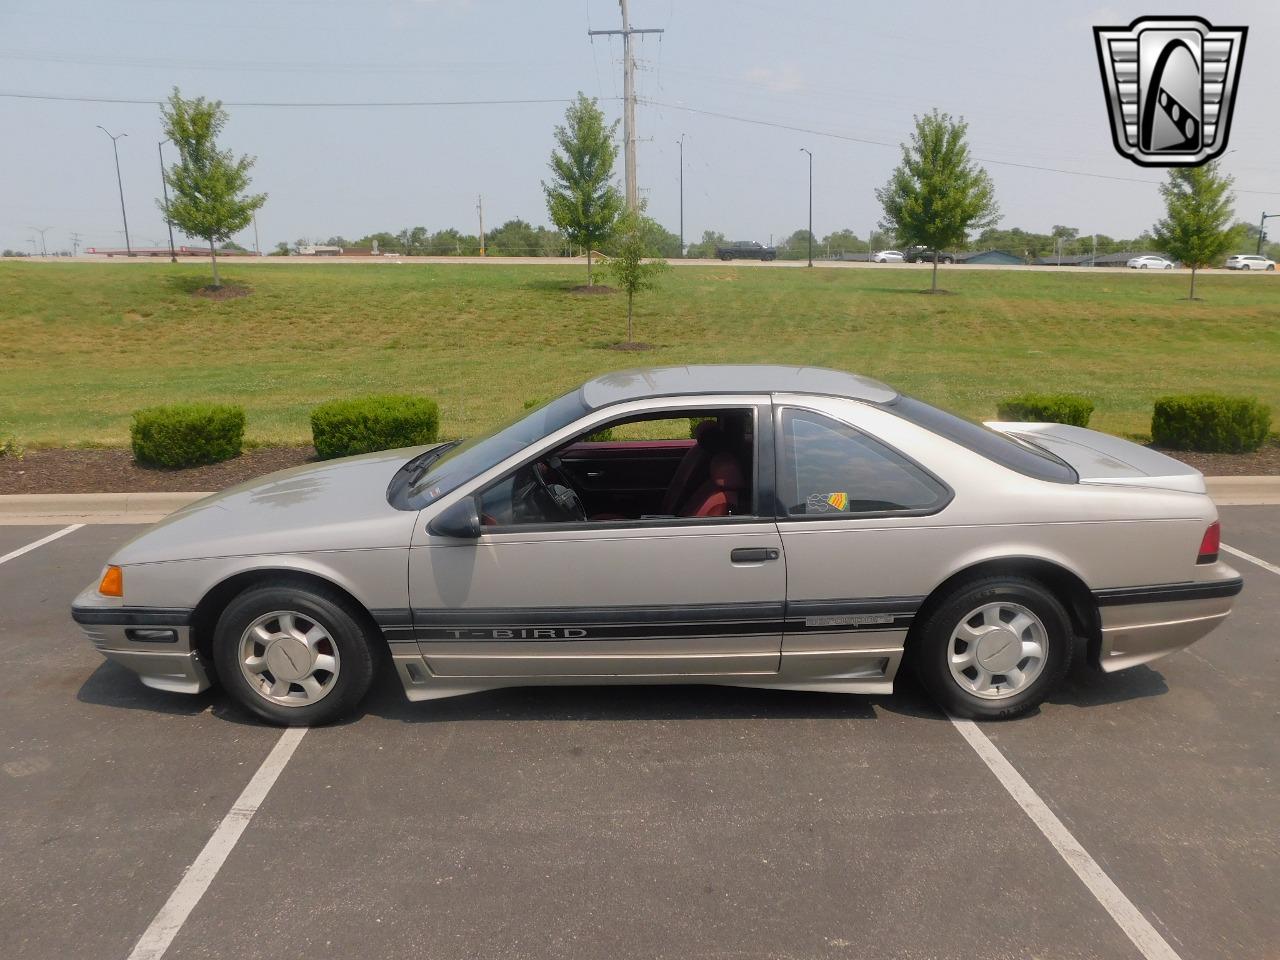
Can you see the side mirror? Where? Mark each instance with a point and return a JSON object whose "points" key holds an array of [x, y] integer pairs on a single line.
{"points": [[460, 521]]}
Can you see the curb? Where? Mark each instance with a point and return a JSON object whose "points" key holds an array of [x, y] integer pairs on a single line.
{"points": [[1243, 491], [33, 508], [38, 508]]}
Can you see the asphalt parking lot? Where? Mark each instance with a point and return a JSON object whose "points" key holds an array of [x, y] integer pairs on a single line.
{"points": [[684, 822]]}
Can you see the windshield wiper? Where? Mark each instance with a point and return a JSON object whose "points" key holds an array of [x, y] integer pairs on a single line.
{"points": [[425, 460]]}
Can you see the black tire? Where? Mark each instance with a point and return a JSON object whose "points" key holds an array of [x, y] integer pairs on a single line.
{"points": [[930, 646], [352, 679]]}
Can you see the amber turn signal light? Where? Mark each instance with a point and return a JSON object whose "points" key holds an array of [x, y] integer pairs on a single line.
{"points": [[112, 584]]}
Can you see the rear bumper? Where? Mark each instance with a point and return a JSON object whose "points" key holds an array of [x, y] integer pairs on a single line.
{"points": [[1141, 624], [153, 642]]}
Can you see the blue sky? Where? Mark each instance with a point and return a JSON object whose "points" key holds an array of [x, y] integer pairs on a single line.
{"points": [[1023, 75]]}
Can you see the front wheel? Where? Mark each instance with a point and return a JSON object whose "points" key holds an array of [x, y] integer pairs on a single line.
{"points": [[293, 656], [994, 648]]}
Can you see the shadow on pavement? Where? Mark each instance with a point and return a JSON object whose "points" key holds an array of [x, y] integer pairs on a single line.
{"points": [[1093, 688], [113, 686]]}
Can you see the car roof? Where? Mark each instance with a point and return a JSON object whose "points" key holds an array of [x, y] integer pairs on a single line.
{"points": [[638, 384]]}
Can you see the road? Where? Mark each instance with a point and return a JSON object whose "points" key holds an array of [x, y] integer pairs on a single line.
{"points": [[687, 822], [581, 261]]}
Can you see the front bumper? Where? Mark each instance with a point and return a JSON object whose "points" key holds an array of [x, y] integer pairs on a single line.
{"points": [[1145, 623], [153, 642]]}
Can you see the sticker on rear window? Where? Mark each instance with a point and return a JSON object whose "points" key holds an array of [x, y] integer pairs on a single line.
{"points": [[827, 502]]}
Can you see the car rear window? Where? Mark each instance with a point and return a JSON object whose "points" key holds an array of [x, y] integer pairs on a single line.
{"points": [[996, 447]]}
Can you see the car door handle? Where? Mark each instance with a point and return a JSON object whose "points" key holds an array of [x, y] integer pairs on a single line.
{"points": [[753, 554]]}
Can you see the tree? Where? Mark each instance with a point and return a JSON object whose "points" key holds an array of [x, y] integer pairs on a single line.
{"points": [[413, 241], [1196, 227], [281, 250], [207, 185], [581, 197], [706, 247], [796, 246], [515, 238], [629, 265], [937, 194], [841, 241]]}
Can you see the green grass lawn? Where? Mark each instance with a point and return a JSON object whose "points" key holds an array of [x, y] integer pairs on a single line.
{"points": [[82, 345]]}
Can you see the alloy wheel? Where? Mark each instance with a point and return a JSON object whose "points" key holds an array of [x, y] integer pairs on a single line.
{"points": [[997, 650], [289, 658]]}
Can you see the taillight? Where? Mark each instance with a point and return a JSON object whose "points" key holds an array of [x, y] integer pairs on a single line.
{"points": [[1209, 544]]}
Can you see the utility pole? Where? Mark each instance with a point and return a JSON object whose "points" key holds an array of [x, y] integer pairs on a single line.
{"points": [[164, 186], [810, 152], [75, 244], [128, 249], [256, 251], [628, 99], [1093, 257], [480, 211], [681, 142], [1262, 228], [44, 251]]}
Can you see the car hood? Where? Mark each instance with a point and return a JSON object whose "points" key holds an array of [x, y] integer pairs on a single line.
{"points": [[336, 505], [1102, 458]]}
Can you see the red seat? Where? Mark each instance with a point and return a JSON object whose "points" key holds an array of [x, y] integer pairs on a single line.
{"points": [[691, 472], [723, 492]]}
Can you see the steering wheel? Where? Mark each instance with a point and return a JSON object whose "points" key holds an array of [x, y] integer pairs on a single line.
{"points": [[561, 494]]}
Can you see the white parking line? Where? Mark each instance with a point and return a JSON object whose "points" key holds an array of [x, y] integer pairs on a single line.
{"points": [[155, 941], [41, 542], [1123, 912], [1252, 559]]}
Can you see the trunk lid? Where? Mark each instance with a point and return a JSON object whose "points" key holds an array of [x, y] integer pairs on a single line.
{"points": [[1102, 458]]}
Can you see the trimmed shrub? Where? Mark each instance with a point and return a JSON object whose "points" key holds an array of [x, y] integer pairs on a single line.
{"points": [[1210, 423], [600, 436], [342, 428], [1067, 408], [187, 434]]}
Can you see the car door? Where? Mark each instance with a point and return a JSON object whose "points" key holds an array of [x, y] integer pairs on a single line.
{"points": [[854, 514], [660, 597]]}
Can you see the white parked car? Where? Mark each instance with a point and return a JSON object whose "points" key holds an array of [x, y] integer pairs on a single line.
{"points": [[888, 256], [1150, 263], [1249, 261]]}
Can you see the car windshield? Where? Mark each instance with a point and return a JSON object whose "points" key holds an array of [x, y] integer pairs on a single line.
{"points": [[472, 457]]}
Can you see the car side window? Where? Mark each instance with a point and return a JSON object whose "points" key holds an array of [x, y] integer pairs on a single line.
{"points": [[829, 468], [686, 465]]}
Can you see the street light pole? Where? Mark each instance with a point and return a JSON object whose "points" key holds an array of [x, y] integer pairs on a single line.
{"points": [[164, 185], [681, 144], [810, 152], [120, 184]]}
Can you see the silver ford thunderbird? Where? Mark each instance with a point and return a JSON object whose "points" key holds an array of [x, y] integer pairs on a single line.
{"points": [[753, 525]]}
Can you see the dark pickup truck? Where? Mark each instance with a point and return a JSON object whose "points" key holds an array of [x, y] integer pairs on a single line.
{"points": [[745, 250], [925, 255]]}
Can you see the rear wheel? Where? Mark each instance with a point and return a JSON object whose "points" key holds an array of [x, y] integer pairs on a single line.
{"points": [[293, 656], [994, 648]]}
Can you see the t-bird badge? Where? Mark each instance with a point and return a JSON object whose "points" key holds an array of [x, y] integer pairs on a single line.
{"points": [[1170, 84]]}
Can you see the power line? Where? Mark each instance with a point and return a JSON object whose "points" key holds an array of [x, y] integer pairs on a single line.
{"points": [[307, 103], [883, 143], [544, 100]]}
